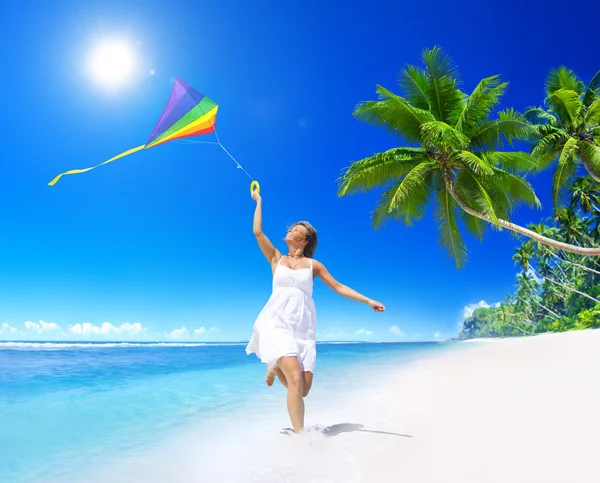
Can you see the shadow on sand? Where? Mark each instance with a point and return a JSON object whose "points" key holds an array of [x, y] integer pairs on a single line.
{"points": [[336, 429]]}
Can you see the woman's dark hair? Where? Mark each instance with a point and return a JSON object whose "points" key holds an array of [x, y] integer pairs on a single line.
{"points": [[311, 238]]}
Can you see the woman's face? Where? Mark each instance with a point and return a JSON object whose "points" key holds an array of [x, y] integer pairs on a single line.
{"points": [[296, 234]]}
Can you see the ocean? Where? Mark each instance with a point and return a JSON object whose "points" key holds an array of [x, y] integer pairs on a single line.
{"points": [[74, 412]]}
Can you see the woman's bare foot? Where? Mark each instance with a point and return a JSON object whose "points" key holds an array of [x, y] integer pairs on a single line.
{"points": [[270, 377]]}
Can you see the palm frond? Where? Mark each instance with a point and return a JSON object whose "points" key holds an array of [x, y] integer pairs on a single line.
{"points": [[565, 169], [442, 135], [395, 113], [514, 161], [475, 226], [567, 105], [517, 187], [409, 212], [500, 198], [442, 92], [450, 237], [405, 200], [379, 169], [593, 90], [471, 190], [437, 181], [584, 193], [537, 115], [563, 78], [510, 124], [439, 64], [479, 165], [478, 106], [413, 81], [590, 153], [550, 146], [547, 129], [593, 113]]}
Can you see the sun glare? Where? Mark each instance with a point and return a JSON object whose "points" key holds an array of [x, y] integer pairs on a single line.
{"points": [[112, 63]]}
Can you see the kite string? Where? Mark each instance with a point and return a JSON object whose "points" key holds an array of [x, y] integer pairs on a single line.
{"points": [[218, 143], [239, 166]]}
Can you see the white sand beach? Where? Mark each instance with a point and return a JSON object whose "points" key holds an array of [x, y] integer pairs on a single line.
{"points": [[523, 410], [513, 410]]}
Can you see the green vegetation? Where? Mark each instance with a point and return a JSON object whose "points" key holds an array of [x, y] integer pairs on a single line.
{"points": [[555, 291], [461, 160]]}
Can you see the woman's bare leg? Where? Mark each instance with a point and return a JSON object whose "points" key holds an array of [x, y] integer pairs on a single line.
{"points": [[270, 377], [295, 384], [308, 379], [281, 376]]}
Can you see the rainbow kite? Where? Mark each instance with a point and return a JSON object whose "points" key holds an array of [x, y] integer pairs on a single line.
{"points": [[187, 113]]}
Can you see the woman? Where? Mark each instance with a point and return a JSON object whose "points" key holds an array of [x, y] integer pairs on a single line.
{"points": [[284, 332]]}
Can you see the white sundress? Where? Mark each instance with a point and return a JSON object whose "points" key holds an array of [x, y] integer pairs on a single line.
{"points": [[286, 326]]}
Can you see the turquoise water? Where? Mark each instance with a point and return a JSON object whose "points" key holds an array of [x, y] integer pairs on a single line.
{"points": [[67, 406]]}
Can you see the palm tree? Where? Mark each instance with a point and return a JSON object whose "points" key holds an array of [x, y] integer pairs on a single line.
{"points": [[573, 228], [544, 252], [505, 315], [569, 127], [552, 295], [527, 284], [585, 194], [456, 161], [523, 257]]}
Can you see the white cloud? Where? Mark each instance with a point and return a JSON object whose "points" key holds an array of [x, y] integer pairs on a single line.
{"points": [[333, 336], [202, 331], [7, 329], [131, 329], [42, 327], [437, 335], [179, 333], [469, 309], [364, 332], [534, 275], [394, 329], [87, 329]]}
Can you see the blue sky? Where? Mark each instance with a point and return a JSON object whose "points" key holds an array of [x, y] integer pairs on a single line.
{"points": [[162, 240]]}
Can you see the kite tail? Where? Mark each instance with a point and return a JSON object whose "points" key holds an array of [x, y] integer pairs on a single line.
{"points": [[77, 171]]}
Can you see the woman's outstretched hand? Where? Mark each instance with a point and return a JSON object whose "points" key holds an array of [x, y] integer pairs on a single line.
{"points": [[256, 196], [376, 306]]}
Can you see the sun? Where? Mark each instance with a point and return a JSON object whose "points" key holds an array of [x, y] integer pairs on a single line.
{"points": [[112, 63]]}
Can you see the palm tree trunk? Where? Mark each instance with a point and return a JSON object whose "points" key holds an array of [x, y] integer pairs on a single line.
{"points": [[574, 264], [559, 259], [542, 306], [573, 290], [564, 286], [594, 252], [546, 308]]}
